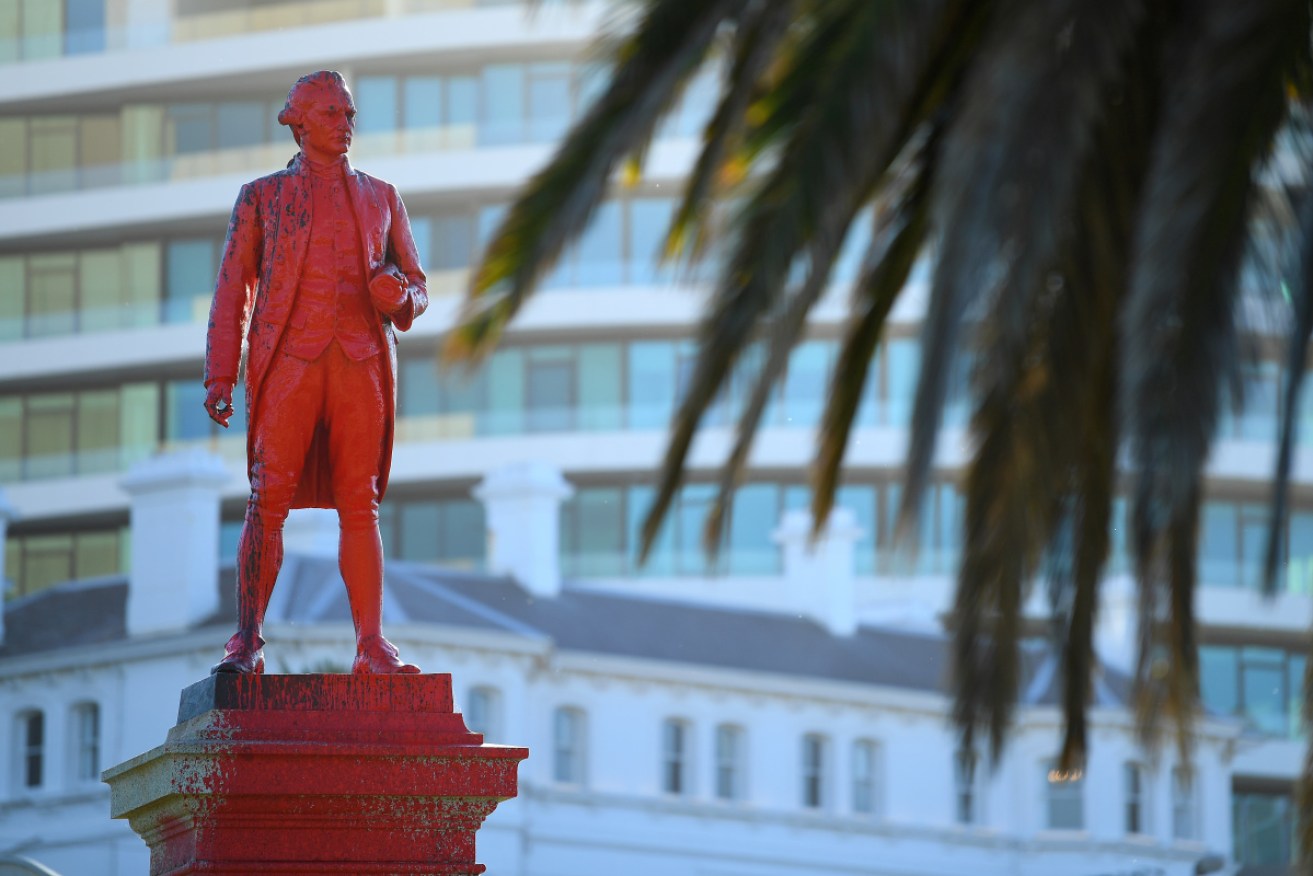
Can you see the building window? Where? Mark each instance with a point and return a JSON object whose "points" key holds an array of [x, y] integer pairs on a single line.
{"points": [[1264, 827], [729, 762], [675, 741], [569, 744], [483, 712], [30, 733], [1133, 786], [1185, 813], [85, 738], [966, 787], [815, 750], [865, 776], [1261, 684], [1064, 794]]}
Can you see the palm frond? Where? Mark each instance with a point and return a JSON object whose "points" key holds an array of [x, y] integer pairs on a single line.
{"points": [[1178, 332], [870, 77], [898, 240], [758, 39], [667, 47]]}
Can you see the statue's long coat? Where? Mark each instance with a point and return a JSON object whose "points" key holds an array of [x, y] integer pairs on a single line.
{"points": [[256, 291]]}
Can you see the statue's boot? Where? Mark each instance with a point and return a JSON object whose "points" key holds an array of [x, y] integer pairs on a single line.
{"points": [[360, 557], [259, 557]]}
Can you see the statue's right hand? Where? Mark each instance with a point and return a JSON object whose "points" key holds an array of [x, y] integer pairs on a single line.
{"points": [[219, 402]]}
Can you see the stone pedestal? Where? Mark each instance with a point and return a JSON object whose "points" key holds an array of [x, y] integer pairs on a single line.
{"points": [[315, 774]]}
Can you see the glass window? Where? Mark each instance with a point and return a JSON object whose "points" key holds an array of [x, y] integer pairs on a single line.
{"points": [[43, 25], [550, 382], [649, 219], [1218, 547], [600, 259], [31, 734], [462, 111], [184, 412], [1263, 688], [549, 101], [966, 792], [600, 376], [190, 128], [1264, 828], [729, 762], [462, 534], [661, 558], [592, 532], [53, 154], [191, 268], [503, 104], [97, 431], [506, 393], [651, 375], [421, 99], [1218, 674], [86, 742], [901, 376], [11, 439], [805, 383], [51, 294], [418, 531], [1135, 809], [1184, 809], [1299, 568], [1064, 795], [49, 434], [84, 26], [377, 98], [453, 242], [814, 767], [568, 745], [755, 514], [100, 289], [483, 712], [865, 765], [241, 123], [13, 282], [674, 757]]}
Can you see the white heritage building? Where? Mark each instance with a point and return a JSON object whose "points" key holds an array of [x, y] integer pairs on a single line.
{"points": [[783, 712]]}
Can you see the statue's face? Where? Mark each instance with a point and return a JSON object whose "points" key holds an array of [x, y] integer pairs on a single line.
{"points": [[329, 122]]}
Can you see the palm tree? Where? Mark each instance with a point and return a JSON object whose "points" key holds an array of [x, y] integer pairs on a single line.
{"points": [[1086, 174]]}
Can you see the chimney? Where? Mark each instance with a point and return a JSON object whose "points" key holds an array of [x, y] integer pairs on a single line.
{"points": [[523, 506], [173, 582], [7, 513], [820, 576]]}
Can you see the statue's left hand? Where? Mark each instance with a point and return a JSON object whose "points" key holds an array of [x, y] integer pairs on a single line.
{"points": [[388, 290]]}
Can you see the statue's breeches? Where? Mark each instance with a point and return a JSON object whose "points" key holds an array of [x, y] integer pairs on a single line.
{"points": [[334, 400]]}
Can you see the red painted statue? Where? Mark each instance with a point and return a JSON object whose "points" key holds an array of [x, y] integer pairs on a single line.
{"points": [[319, 269]]}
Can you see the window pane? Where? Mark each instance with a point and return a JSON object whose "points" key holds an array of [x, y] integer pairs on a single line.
{"points": [[651, 384], [756, 513], [191, 128], [97, 431], [13, 293], [597, 543], [549, 101], [462, 111], [100, 280], [49, 427], [503, 104], [599, 377], [904, 357], [419, 532], [241, 123], [550, 394], [11, 439], [47, 560], [1218, 674], [1218, 548], [52, 295], [190, 274], [421, 98], [463, 534], [377, 98], [649, 219], [805, 383], [53, 154], [84, 27], [600, 258]]}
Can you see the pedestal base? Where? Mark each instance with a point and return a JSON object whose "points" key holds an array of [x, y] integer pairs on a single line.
{"points": [[315, 774]]}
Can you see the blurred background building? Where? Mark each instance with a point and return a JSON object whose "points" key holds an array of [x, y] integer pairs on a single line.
{"points": [[776, 712]]}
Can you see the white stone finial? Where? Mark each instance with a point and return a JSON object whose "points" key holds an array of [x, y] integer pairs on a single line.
{"points": [[523, 505]]}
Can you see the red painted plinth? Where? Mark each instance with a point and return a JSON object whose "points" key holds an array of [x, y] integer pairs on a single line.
{"points": [[309, 774]]}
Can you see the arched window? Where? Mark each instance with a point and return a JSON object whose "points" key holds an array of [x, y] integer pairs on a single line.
{"points": [[1135, 798], [30, 749], [865, 765], [1064, 798], [676, 741], [84, 739], [569, 745], [815, 766], [1185, 810], [483, 712], [730, 757]]}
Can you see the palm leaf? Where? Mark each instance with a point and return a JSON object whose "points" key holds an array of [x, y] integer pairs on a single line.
{"points": [[870, 74], [670, 43], [1224, 99]]}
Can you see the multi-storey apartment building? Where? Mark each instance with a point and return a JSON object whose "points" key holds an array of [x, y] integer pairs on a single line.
{"points": [[765, 714]]}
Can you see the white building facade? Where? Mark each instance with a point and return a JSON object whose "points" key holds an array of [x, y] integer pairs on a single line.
{"points": [[128, 127]]}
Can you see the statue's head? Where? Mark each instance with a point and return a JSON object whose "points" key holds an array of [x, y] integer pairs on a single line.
{"points": [[323, 90]]}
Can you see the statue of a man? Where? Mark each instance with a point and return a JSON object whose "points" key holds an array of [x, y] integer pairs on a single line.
{"points": [[319, 269]]}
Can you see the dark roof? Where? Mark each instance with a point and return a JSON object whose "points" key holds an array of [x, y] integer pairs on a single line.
{"points": [[583, 621]]}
